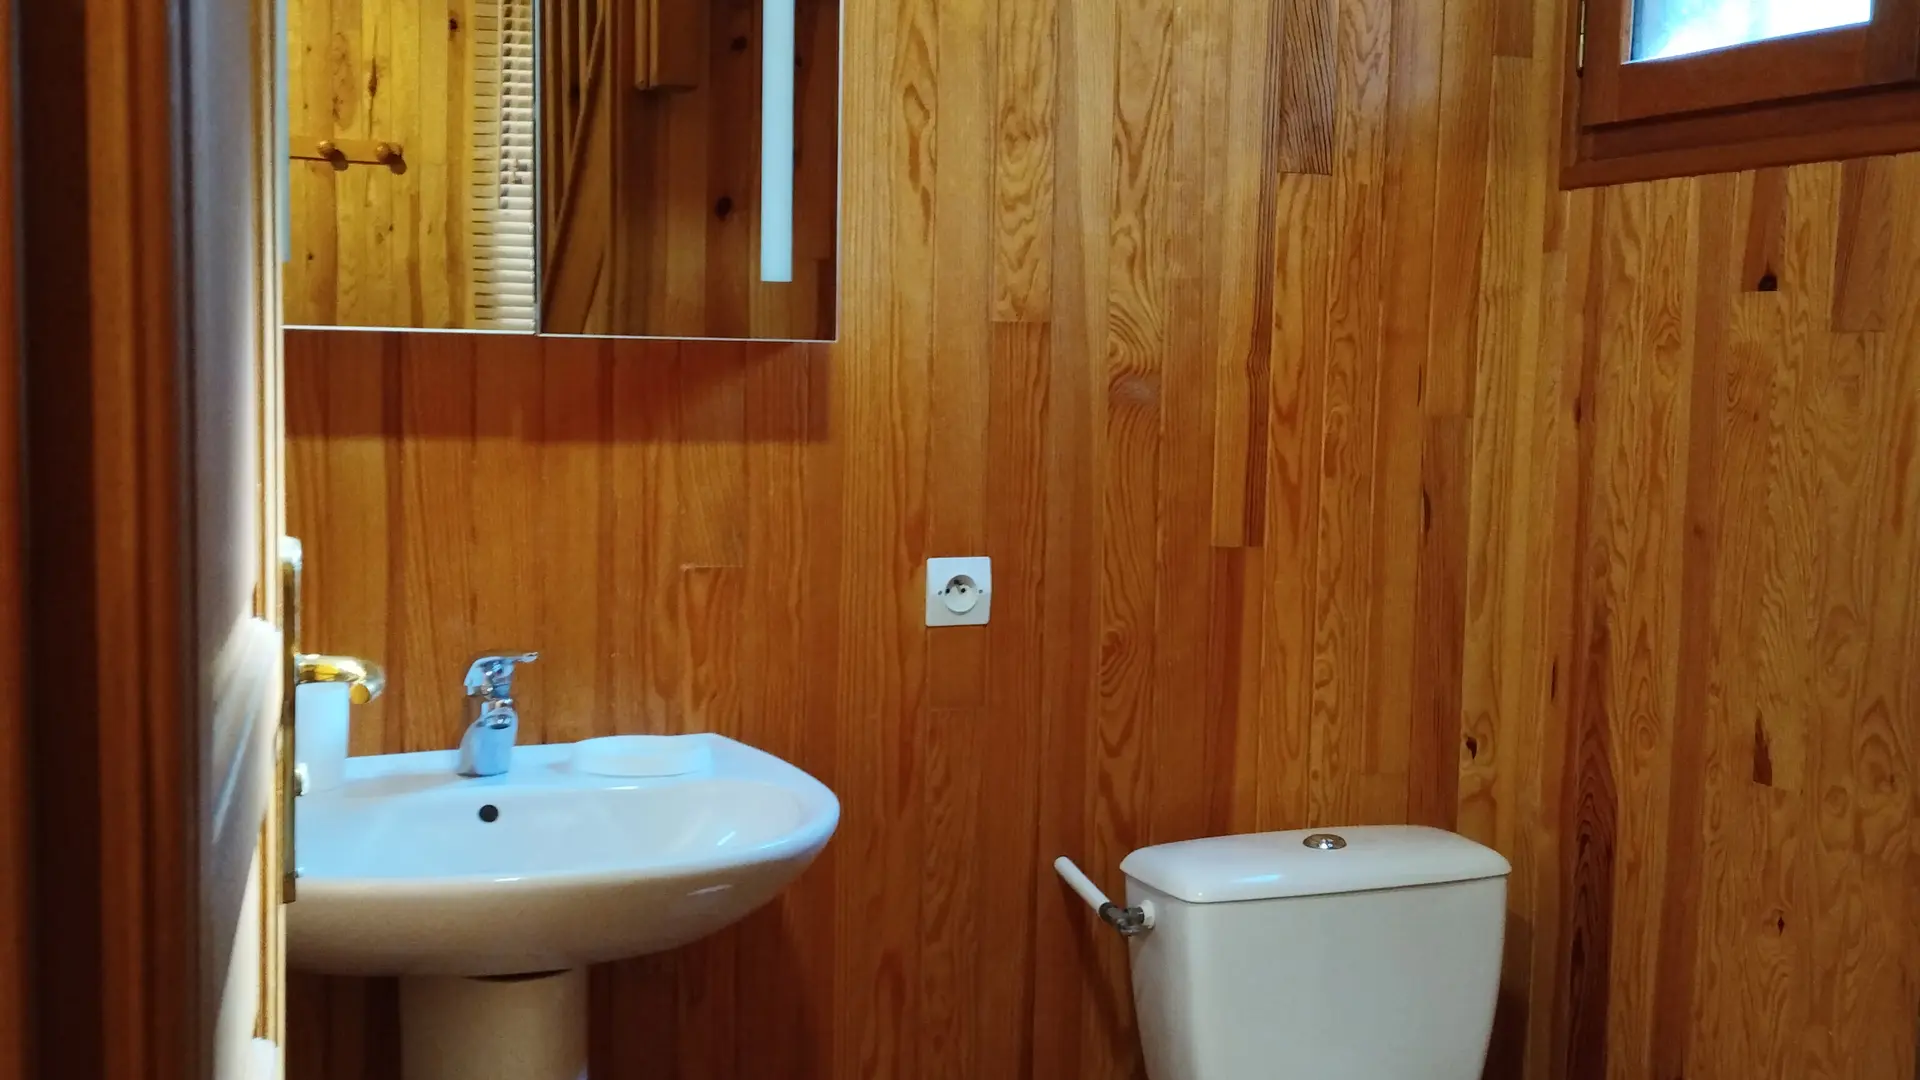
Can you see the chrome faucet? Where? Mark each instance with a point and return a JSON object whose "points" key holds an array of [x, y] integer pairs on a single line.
{"points": [[493, 721]]}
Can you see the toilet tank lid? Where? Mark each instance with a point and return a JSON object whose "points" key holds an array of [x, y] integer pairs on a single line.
{"points": [[1264, 866]]}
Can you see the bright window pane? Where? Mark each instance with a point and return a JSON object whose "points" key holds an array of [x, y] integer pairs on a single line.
{"points": [[1664, 28]]}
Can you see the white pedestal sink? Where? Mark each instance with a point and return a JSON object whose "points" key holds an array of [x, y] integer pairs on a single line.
{"points": [[488, 896]]}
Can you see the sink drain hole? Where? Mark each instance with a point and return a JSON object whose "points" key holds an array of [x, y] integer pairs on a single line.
{"points": [[489, 812]]}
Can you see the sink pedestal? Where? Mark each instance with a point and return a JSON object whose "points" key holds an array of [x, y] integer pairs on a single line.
{"points": [[511, 1028]]}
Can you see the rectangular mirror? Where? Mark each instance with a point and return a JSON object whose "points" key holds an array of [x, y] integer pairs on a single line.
{"points": [[646, 168]]}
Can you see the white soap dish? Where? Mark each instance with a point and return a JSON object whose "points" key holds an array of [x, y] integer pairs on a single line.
{"points": [[643, 755]]}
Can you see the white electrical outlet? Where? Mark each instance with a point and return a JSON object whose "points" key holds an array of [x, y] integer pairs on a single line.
{"points": [[959, 591]]}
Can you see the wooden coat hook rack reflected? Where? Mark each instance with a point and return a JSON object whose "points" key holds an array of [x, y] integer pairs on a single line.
{"points": [[344, 152]]}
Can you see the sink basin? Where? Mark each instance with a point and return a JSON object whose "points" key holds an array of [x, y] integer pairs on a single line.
{"points": [[409, 869]]}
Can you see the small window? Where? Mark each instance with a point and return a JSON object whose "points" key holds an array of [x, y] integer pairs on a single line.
{"points": [[1683, 87]]}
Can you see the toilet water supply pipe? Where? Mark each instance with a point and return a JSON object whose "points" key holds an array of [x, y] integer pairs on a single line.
{"points": [[1129, 921]]}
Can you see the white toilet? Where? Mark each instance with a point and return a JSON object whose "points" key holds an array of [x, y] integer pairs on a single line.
{"points": [[1366, 953]]}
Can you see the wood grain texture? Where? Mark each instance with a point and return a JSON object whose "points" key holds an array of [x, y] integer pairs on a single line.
{"points": [[147, 483], [16, 833], [1538, 522]]}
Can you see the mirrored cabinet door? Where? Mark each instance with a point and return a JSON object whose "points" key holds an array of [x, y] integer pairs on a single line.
{"points": [[411, 173], [690, 165], [655, 168]]}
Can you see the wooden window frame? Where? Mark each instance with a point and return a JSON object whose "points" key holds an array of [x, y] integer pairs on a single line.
{"points": [[1847, 92]]}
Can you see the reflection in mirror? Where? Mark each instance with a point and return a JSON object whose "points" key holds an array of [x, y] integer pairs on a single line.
{"points": [[689, 167], [412, 146]]}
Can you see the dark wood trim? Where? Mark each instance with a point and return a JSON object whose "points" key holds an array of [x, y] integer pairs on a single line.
{"points": [[1848, 92], [1883, 51], [1820, 129], [116, 860], [16, 937], [1832, 61]]}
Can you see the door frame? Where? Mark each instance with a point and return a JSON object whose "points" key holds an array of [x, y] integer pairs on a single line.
{"points": [[16, 939], [115, 882], [125, 762]]}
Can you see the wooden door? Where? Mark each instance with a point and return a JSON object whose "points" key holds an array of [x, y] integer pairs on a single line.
{"points": [[15, 935], [152, 501]]}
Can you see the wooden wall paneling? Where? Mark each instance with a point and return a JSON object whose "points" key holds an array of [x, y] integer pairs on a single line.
{"points": [[1764, 201], [1417, 551], [498, 512], [1542, 355], [710, 461], [1886, 752], [879, 403], [1775, 921], [1139, 235], [1561, 442], [1287, 673], [1186, 746], [1025, 112], [17, 1053], [1245, 180], [1566, 533], [710, 668], [1733, 767], [643, 489], [1020, 416], [960, 366], [1346, 602], [1580, 1002], [951, 743], [571, 550], [1308, 67], [1857, 390], [1502, 739], [793, 477], [1700, 589], [1866, 239], [1076, 345], [1643, 460], [1466, 97], [442, 556]]}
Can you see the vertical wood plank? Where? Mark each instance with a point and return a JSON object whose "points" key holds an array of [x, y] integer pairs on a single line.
{"points": [[1466, 95], [1865, 245], [435, 592], [1247, 184], [1023, 167], [1307, 74], [1294, 466], [1007, 841], [1674, 983], [570, 518], [1137, 290], [1764, 197], [709, 457], [1343, 609]]}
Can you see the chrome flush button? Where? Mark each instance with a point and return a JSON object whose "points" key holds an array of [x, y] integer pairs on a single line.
{"points": [[1324, 841]]}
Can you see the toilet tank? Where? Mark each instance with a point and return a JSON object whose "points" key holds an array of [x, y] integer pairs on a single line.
{"points": [[1374, 955]]}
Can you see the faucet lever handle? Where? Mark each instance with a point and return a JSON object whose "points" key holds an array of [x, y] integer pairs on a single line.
{"points": [[491, 676]]}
